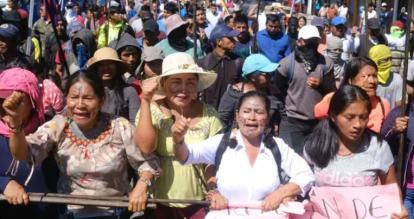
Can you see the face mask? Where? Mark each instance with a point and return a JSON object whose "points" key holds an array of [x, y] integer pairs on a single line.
{"points": [[396, 32], [384, 70], [334, 56], [244, 37]]}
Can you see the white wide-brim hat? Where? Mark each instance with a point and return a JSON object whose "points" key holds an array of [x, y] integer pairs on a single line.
{"points": [[183, 63]]}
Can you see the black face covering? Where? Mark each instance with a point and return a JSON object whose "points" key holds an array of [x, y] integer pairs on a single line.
{"points": [[309, 53], [292, 31], [177, 39], [244, 37]]}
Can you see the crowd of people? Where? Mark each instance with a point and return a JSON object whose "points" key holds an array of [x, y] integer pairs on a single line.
{"points": [[211, 101]]}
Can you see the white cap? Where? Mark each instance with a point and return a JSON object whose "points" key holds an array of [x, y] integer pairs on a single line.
{"points": [[308, 31], [384, 4]]}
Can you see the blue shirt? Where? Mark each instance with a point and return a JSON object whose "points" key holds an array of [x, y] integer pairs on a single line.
{"points": [[274, 48], [36, 183]]}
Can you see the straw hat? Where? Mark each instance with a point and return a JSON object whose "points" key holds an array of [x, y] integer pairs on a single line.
{"points": [[104, 54], [183, 63]]}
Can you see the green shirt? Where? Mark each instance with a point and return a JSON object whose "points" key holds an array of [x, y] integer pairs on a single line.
{"points": [[179, 181], [167, 49]]}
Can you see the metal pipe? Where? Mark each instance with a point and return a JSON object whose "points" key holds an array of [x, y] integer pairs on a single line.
{"points": [[30, 25], [195, 29], [99, 200], [395, 12], [255, 45], [400, 169]]}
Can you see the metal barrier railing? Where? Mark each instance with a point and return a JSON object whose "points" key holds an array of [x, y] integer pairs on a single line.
{"points": [[116, 202]]}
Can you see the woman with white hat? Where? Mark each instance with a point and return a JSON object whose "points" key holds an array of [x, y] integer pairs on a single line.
{"points": [[121, 99], [167, 97]]}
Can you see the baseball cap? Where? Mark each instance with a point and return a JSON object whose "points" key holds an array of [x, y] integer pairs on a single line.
{"points": [[221, 31], [338, 20], [8, 31], [398, 24], [384, 4], [308, 31], [258, 62], [152, 53], [374, 23]]}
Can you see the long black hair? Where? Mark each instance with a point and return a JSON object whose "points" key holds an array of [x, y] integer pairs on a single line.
{"points": [[322, 144], [353, 67]]}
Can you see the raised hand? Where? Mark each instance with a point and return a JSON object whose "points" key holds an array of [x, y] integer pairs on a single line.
{"points": [[149, 86], [14, 106], [179, 128]]}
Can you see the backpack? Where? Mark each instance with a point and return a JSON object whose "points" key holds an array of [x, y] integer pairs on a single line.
{"points": [[269, 142]]}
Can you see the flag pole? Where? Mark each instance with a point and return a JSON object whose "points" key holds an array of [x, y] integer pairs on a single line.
{"points": [[30, 25], [401, 148], [255, 46], [195, 29]]}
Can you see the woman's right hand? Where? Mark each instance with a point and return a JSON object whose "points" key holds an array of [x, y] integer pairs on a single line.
{"points": [[217, 201], [149, 86], [13, 106], [15, 194]]}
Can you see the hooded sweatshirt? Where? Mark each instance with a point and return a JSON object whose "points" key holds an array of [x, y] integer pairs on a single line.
{"points": [[118, 45]]}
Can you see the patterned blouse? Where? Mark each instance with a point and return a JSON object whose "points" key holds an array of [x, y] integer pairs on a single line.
{"points": [[93, 163]]}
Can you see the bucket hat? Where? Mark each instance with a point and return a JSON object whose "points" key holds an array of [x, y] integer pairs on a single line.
{"points": [[104, 54], [183, 63]]}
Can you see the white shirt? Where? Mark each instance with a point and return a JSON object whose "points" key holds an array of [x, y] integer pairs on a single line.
{"points": [[343, 11], [238, 181], [213, 18]]}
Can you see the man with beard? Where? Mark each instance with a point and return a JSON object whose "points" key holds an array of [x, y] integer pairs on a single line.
{"points": [[176, 38], [10, 56], [305, 76], [227, 66], [272, 42], [244, 43], [375, 37]]}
